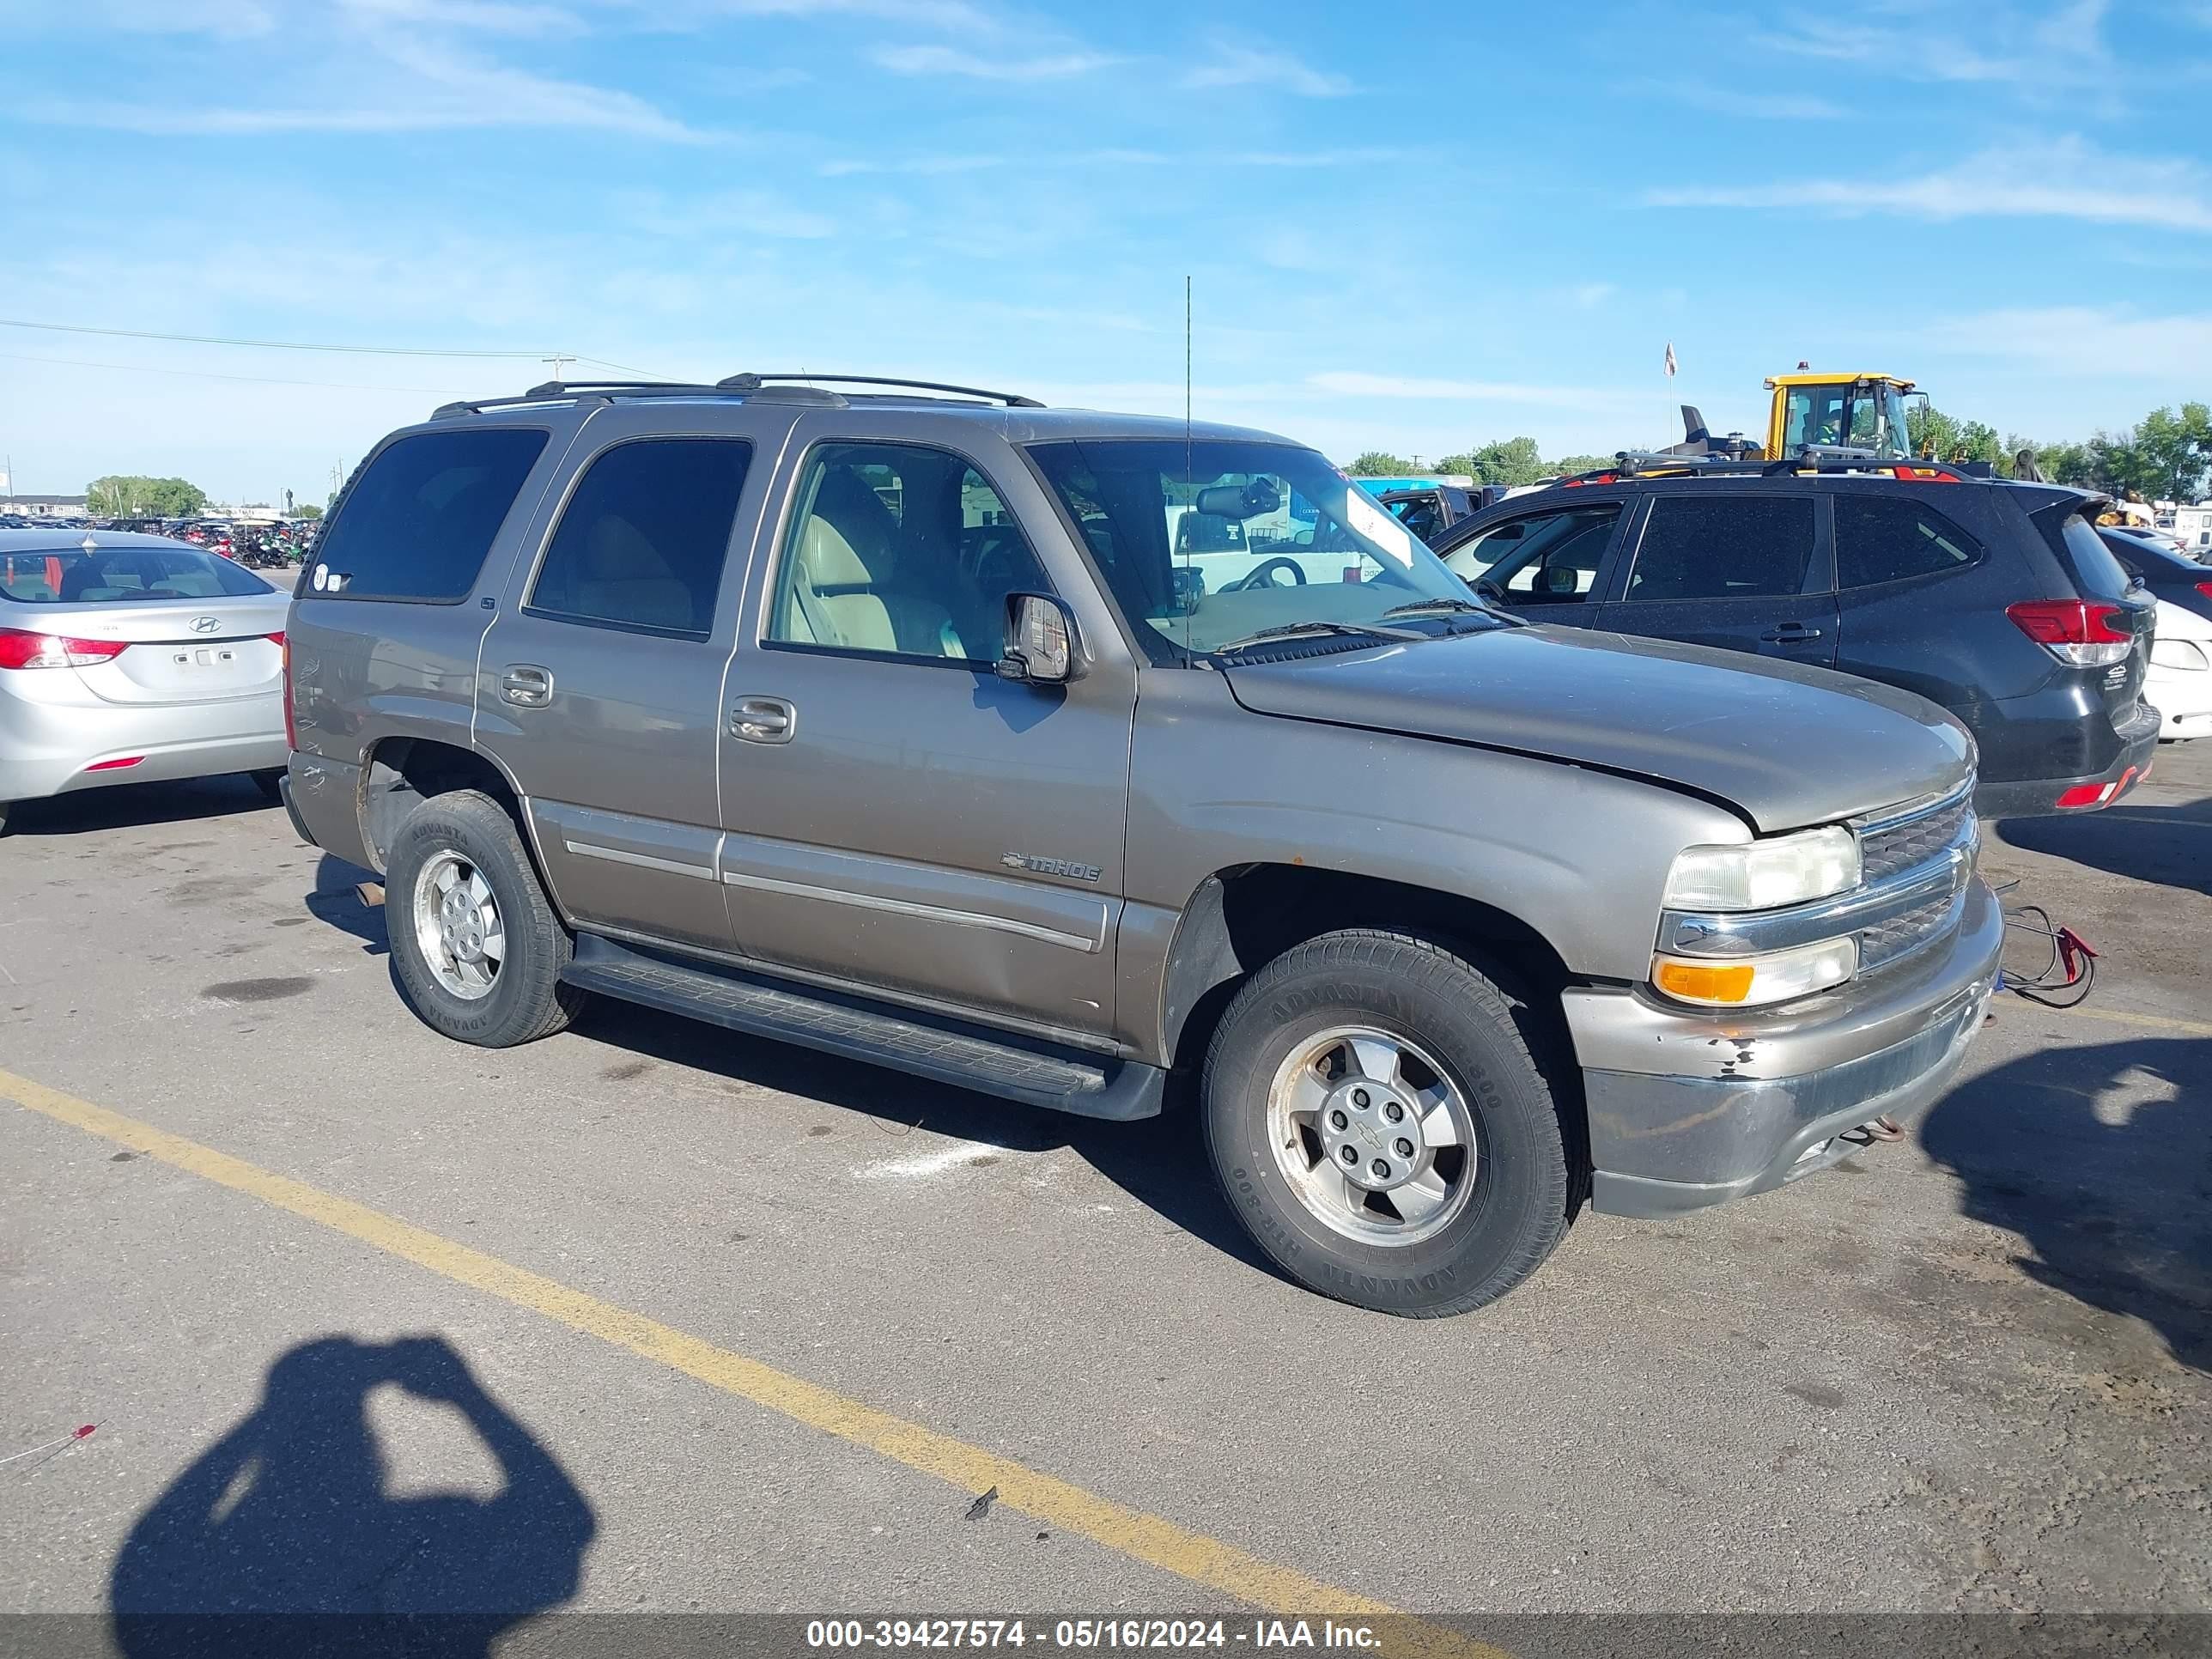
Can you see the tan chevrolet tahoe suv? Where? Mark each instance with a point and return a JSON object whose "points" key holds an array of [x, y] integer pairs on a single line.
{"points": [[1062, 755]]}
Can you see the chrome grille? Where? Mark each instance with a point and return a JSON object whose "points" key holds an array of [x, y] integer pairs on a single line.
{"points": [[1893, 850], [1901, 935]]}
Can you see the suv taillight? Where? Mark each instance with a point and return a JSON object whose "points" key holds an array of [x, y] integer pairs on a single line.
{"points": [[291, 724], [19, 648], [2077, 632], [2205, 588]]}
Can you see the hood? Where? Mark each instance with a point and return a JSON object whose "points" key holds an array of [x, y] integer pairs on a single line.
{"points": [[1786, 746]]}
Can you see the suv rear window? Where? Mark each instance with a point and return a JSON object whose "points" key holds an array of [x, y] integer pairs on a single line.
{"points": [[1724, 547], [420, 520], [2088, 560]]}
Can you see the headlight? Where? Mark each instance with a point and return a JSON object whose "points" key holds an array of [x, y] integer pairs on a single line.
{"points": [[1764, 875], [1752, 982]]}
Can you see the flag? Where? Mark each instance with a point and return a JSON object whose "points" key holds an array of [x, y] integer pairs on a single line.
{"points": [[1670, 360]]}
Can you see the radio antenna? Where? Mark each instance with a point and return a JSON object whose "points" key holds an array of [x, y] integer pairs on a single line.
{"points": [[1190, 482]]}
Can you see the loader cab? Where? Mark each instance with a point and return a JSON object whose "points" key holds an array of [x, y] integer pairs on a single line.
{"points": [[1862, 413]]}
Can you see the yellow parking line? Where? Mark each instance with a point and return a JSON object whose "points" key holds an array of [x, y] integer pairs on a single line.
{"points": [[2149, 1021], [1145, 1537]]}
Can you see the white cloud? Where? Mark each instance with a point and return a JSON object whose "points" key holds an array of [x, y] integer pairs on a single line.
{"points": [[1591, 295], [949, 60], [2068, 179], [945, 15], [1235, 65], [390, 66], [2102, 343], [2036, 48], [1754, 105], [482, 16]]}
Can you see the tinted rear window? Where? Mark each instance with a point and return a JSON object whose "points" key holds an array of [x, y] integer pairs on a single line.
{"points": [[643, 541], [122, 575], [1888, 538], [418, 523], [1724, 548], [2087, 559]]}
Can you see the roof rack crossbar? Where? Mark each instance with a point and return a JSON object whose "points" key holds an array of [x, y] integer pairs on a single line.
{"points": [[1632, 461], [749, 381]]}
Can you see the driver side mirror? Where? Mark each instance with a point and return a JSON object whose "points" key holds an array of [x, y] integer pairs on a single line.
{"points": [[1042, 645]]}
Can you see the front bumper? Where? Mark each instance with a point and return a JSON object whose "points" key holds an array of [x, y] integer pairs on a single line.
{"points": [[1687, 1110]]}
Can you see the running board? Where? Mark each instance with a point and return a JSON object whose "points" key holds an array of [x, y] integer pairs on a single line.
{"points": [[965, 1056]]}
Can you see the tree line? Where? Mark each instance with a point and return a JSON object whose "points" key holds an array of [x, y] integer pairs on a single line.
{"points": [[2163, 457], [131, 496], [2166, 456]]}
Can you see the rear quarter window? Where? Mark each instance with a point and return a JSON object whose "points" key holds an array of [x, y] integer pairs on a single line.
{"points": [[2083, 552], [419, 521], [1888, 538]]}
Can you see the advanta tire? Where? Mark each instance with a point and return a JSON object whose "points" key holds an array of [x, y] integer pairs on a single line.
{"points": [[477, 948], [1378, 1123]]}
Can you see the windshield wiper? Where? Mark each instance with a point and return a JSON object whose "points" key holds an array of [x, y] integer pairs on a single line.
{"points": [[1452, 607], [1300, 630]]}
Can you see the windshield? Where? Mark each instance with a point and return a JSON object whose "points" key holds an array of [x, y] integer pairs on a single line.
{"points": [[1868, 415], [1209, 542], [114, 576]]}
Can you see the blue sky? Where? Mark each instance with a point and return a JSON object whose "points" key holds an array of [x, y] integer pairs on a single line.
{"points": [[1417, 228]]}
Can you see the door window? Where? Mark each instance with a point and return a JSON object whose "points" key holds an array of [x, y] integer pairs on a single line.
{"points": [[1728, 548], [1550, 559], [643, 539], [419, 521], [900, 550], [1883, 539]]}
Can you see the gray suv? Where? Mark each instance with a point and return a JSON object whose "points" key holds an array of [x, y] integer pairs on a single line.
{"points": [[1057, 754]]}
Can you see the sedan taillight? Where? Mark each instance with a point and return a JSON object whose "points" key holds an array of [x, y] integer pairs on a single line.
{"points": [[19, 648]]}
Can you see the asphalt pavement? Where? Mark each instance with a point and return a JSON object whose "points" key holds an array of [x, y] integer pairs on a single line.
{"points": [[650, 1318]]}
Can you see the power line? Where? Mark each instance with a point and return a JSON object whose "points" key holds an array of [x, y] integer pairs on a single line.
{"points": [[209, 374], [303, 345]]}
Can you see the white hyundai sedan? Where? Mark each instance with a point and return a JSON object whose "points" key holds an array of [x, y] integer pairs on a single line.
{"points": [[127, 658]]}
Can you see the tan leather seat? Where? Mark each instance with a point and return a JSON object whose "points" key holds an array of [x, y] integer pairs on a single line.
{"points": [[625, 575], [841, 593], [833, 599]]}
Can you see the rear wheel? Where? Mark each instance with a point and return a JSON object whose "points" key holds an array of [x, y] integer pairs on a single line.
{"points": [[1377, 1120], [478, 950]]}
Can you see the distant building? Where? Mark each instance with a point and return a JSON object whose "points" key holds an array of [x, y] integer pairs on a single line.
{"points": [[44, 506]]}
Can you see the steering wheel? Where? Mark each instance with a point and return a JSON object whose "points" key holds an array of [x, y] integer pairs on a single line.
{"points": [[1264, 576], [1486, 589]]}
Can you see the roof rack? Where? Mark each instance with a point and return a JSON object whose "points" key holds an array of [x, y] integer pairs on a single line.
{"points": [[1632, 464], [749, 381], [782, 388]]}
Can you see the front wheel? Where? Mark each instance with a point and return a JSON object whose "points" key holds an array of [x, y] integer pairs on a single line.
{"points": [[478, 950], [1378, 1123]]}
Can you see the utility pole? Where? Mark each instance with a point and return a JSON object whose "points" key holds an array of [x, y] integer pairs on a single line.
{"points": [[560, 360]]}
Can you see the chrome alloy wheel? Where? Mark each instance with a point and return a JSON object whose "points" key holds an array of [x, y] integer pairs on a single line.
{"points": [[1372, 1135], [457, 923]]}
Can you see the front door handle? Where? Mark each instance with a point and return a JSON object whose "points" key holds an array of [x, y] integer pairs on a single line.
{"points": [[526, 685], [1791, 634], [763, 719]]}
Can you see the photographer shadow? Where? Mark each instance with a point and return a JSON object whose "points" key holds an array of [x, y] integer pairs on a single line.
{"points": [[2099, 1157], [282, 1539]]}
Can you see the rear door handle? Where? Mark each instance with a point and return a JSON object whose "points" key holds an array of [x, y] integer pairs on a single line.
{"points": [[1791, 634], [526, 685], [763, 719]]}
